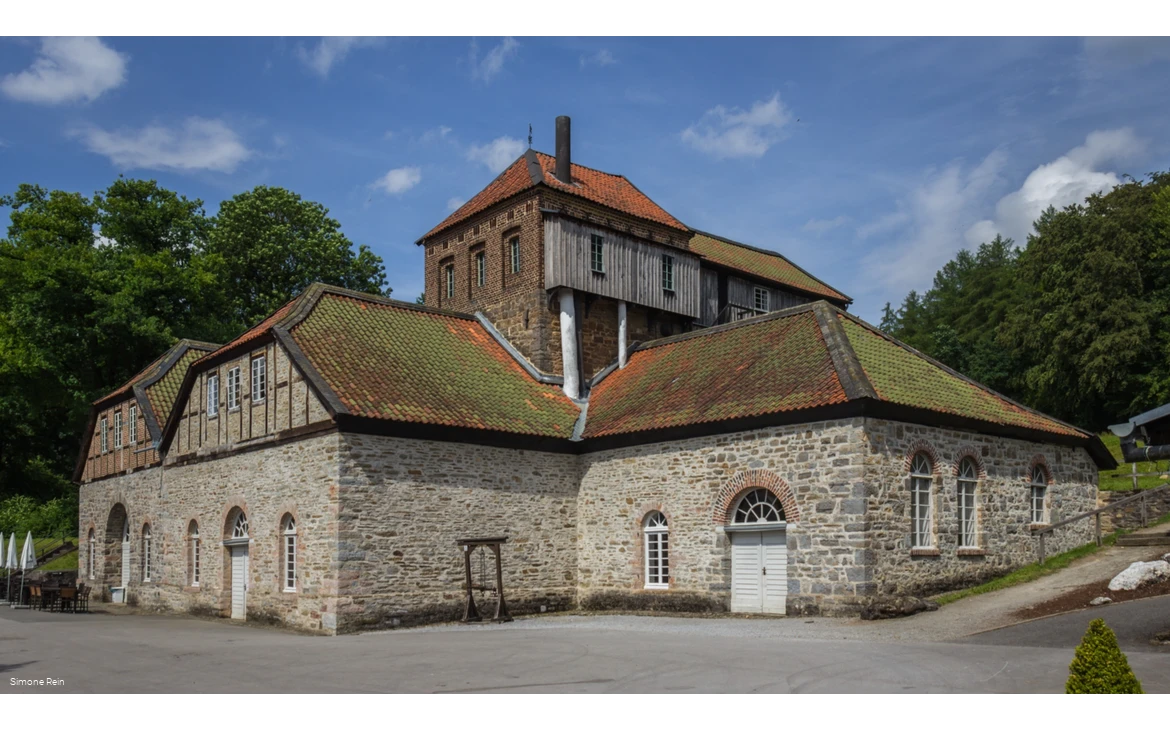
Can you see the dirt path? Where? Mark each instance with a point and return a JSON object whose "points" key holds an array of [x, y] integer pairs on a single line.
{"points": [[998, 608]]}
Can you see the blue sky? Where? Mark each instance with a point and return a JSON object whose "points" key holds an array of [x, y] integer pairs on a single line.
{"points": [[869, 162]]}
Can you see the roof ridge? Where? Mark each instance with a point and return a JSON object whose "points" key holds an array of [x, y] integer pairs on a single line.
{"points": [[714, 329], [770, 252], [951, 371], [454, 217], [854, 380], [586, 167]]}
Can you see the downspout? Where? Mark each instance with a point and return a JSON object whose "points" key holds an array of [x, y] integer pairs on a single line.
{"points": [[570, 364], [622, 333]]}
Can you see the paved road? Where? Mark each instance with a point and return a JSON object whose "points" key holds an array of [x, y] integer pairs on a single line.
{"points": [[1132, 622], [108, 653]]}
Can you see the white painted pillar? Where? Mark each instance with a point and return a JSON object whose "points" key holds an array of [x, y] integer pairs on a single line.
{"points": [[622, 334], [570, 366]]}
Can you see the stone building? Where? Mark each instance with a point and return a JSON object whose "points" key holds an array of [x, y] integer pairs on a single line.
{"points": [[653, 416]]}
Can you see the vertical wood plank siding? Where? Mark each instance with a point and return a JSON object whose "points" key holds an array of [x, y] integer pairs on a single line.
{"points": [[709, 297], [742, 292], [633, 268]]}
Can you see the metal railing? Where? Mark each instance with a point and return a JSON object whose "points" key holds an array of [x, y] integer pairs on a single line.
{"points": [[1142, 497]]}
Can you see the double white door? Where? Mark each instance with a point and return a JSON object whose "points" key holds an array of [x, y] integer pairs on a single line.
{"points": [[239, 581], [759, 572]]}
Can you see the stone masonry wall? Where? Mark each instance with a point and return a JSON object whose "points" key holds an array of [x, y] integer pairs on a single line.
{"points": [[1003, 509], [404, 503], [1129, 516], [297, 477], [690, 481]]}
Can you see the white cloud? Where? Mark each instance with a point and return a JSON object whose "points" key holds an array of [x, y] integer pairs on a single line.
{"points": [[199, 144], [331, 50], [927, 228], [497, 154], [453, 204], [438, 133], [820, 226], [67, 69], [602, 58], [399, 180], [492, 64], [1069, 179], [735, 132]]}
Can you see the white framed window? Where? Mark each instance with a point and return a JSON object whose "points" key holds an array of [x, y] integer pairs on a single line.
{"points": [[968, 479], [921, 508], [761, 300], [656, 550], [480, 268], [240, 527], [193, 551], [133, 423], [91, 560], [668, 272], [1039, 491], [259, 378], [146, 541], [758, 506], [450, 273], [233, 388], [289, 531], [514, 250], [105, 435], [596, 254], [118, 429], [213, 395]]}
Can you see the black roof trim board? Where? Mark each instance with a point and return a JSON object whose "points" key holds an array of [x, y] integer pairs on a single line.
{"points": [[769, 252]]}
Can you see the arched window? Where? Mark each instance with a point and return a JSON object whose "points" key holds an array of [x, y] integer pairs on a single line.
{"points": [[1039, 489], [758, 506], [921, 509], [92, 555], [146, 539], [657, 551], [240, 527], [193, 553], [289, 531], [968, 478]]}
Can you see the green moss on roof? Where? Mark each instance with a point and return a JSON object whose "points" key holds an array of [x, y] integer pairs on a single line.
{"points": [[385, 361], [773, 365], [163, 392], [765, 265], [901, 376]]}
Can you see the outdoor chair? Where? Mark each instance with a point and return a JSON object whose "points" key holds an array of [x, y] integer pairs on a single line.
{"points": [[34, 596], [83, 598], [67, 599]]}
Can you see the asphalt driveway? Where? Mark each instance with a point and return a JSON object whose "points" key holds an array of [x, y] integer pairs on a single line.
{"points": [[562, 654]]}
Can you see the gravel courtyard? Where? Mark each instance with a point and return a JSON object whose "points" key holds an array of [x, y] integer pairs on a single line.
{"points": [[560, 654]]}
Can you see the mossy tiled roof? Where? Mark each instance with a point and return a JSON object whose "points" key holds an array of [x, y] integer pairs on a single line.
{"points": [[761, 264], [774, 365], [384, 360], [902, 376], [163, 393]]}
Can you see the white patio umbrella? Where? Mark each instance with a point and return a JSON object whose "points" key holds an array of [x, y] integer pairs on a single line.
{"points": [[10, 563], [28, 560], [4, 565]]}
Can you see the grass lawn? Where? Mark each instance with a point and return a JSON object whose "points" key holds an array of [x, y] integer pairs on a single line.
{"points": [[1120, 478], [1034, 571]]}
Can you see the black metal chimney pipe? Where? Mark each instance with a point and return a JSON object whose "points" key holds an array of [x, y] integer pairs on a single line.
{"points": [[1131, 452], [564, 151]]}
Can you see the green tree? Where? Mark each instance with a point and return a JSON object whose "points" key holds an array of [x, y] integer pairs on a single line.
{"points": [[1099, 665], [273, 244]]}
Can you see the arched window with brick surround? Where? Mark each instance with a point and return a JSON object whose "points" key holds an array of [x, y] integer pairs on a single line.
{"points": [[193, 546], [758, 506], [968, 479], [92, 559], [921, 505], [288, 530]]}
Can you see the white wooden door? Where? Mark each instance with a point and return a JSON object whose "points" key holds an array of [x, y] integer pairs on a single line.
{"points": [[125, 558], [239, 581], [759, 572]]}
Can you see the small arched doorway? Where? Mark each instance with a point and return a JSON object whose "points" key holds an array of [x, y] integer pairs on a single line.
{"points": [[759, 553], [116, 559], [236, 542]]}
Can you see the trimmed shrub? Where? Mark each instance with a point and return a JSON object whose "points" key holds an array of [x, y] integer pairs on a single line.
{"points": [[1099, 665]]}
